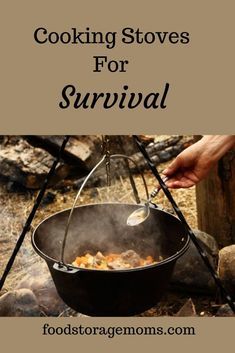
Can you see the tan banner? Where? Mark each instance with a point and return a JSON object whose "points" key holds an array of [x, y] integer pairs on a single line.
{"points": [[117, 67], [30, 335]]}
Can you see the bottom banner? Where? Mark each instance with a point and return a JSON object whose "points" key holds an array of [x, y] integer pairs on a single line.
{"points": [[106, 334]]}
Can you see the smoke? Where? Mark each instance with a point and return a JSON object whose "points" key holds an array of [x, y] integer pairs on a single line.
{"points": [[102, 227]]}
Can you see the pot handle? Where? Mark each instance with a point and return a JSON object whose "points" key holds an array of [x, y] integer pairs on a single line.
{"points": [[62, 262], [65, 268]]}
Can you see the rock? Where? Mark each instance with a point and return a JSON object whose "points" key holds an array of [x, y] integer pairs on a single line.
{"points": [[226, 268], [41, 284], [225, 310], [190, 272], [209, 242], [48, 198], [13, 187], [188, 309], [21, 302]]}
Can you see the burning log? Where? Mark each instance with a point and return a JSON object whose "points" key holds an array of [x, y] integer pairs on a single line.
{"points": [[163, 151], [160, 152], [28, 166], [83, 151], [26, 159]]}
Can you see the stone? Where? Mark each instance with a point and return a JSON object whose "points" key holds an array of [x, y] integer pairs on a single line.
{"points": [[188, 309], [209, 242], [48, 198], [40, 282], [21, 302], [226, 268], [190, 272], [225, 311]]}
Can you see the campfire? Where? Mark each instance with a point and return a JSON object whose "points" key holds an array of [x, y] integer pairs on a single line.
{"points": [[75, 241]]}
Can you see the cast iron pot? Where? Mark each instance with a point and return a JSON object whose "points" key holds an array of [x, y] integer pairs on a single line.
{"points": [[102, 227]]}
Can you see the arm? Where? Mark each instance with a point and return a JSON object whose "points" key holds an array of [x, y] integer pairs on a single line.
{"points": [[195, 162]]}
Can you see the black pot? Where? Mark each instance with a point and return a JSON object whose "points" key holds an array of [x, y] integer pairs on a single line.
{"points": [[102, 227]]}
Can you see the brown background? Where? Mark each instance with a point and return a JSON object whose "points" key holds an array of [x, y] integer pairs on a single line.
{"points": [[201, 73], [200, 101]]}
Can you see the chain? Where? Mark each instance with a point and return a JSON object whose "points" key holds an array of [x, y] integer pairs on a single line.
{"points": [[106, 152]]}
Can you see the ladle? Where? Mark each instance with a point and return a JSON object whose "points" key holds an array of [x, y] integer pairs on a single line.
{"points": [[141, 214]]}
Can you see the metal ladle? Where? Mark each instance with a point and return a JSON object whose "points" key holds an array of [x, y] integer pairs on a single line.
{"points": [[141, 214]]}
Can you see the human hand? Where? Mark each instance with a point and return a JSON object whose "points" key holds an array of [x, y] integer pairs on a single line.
{"points": [[194, 163]]}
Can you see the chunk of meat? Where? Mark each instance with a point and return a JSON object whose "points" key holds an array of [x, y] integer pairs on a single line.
{"points": [[99, 258], [131, 257]]}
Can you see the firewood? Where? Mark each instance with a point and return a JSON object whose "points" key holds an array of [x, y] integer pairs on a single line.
{"points": [[26, 159]]}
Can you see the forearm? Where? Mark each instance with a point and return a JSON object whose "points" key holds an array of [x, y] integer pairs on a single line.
{"points": [[194, 163], [217, 145]]}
